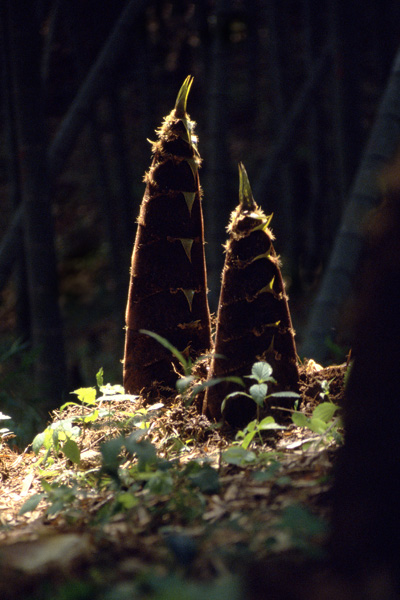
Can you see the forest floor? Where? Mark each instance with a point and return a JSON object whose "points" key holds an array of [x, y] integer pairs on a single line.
{"points": [[177, 508]]}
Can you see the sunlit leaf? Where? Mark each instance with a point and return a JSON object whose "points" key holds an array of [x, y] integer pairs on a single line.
{"points": [[71, 451], [236, 455], [261, 371], [300, 419], [86, 395], [325, 411], [99, 377]]}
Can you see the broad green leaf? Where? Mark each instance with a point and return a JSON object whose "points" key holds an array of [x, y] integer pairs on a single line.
{"points": [[86, 395], [300, 419], [30, 504], [71, 451], [325, 411], [161, 340], [269, 423], [258, 392], [99, 377], [317, 425], [236, 455], [248, 438], [261, 371]]}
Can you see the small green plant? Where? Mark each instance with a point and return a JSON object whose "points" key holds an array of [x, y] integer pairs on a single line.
{"points": [[324, 421], [261, 372]]}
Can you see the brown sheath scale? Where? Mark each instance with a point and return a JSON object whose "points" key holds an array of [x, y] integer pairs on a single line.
{"points": [[168, 288], [253, 321]]}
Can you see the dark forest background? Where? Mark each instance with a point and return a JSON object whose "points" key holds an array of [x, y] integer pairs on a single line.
{"points": [[291, 88]]}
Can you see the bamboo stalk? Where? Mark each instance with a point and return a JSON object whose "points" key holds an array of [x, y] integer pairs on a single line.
{"points": [[253, 321], [168, 289]]}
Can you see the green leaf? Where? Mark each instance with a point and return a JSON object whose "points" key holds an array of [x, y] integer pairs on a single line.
{"points": [[161, 340], [99, 377], [160, 483], [144, 450], [71, 451], [206, 479], [236, 455], [30, 504], [258, 392], [86, 395], [317, 425], [300, 419], [127, 500], [261, 371], [232, 395], [285, 395], [38, 442], [110, 452], [325, 411], [248, 438], [269, 423]]}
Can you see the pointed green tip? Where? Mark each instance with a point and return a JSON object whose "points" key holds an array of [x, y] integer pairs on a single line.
{"points": [[245, 194], [181, 99]]}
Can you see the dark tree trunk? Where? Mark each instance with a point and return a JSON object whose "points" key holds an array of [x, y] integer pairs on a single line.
{"points": [[366, 517], [47, 337]]}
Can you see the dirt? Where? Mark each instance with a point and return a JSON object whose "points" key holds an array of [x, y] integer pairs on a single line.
{"points": [[276, 506]]}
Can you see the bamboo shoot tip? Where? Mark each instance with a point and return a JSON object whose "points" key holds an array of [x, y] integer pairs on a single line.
{"points": [[181, 99]]}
